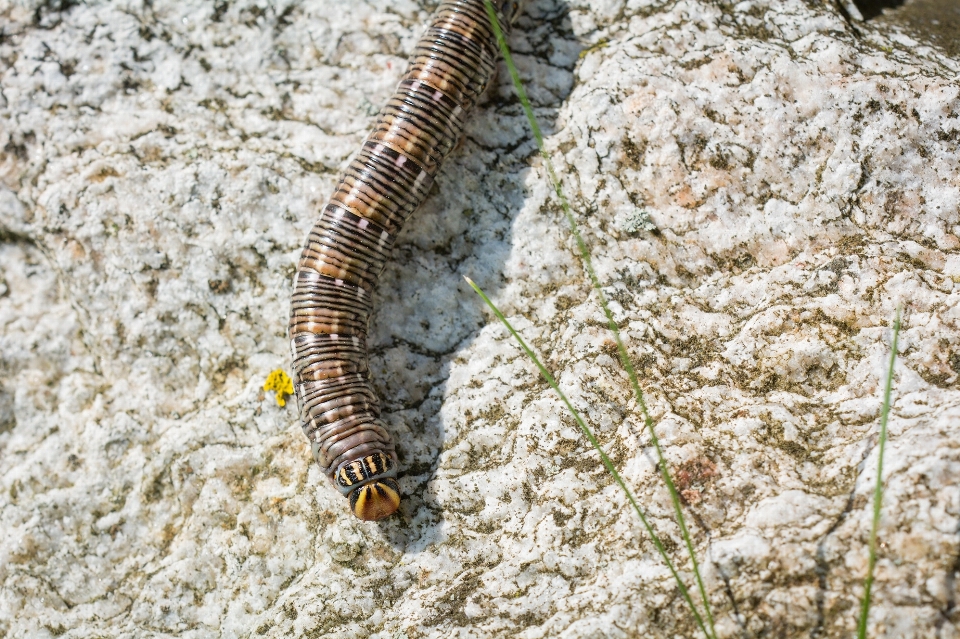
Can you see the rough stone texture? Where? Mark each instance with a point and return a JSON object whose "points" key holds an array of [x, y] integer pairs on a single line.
{"points": [[761, 184]]}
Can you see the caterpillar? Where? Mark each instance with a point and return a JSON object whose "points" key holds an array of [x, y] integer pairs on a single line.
{"points": [[345, 252]]}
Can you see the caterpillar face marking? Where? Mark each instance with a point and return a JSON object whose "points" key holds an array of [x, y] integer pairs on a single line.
{"points": [[375, 500], [345, 251]]}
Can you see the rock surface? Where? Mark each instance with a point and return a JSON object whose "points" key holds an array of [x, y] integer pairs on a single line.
{"points": [[761, 184]]}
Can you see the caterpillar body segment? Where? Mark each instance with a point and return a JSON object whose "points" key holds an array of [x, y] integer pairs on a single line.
{"points": [[348, 246]]}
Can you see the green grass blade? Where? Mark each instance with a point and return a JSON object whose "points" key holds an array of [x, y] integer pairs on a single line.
{"points": [[611, 323], [607, 462], [878, 488]]}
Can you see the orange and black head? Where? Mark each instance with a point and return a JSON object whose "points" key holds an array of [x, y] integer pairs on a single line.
{"points": [[375, 500], [371, 485]]}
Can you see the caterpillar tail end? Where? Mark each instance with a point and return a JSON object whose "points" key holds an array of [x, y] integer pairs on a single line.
{"points": [[376, 500]]}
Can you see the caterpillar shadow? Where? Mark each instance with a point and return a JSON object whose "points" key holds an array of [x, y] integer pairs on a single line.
{"points": [[425, 314]]}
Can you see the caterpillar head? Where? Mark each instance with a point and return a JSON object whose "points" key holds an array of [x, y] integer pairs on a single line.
{"points": [[375, 500]]}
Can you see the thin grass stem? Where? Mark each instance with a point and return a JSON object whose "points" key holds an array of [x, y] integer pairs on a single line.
{"points": [[878, 488], [607, 462], [611, 323]]}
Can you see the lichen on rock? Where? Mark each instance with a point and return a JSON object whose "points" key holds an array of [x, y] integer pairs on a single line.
{"points": [[280, 383]]}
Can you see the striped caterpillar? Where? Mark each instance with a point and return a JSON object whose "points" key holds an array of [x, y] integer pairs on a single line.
{"points": [[345, 252]]}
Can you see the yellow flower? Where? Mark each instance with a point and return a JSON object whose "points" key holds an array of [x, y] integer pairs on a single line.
{"points": [[280, 382]]}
